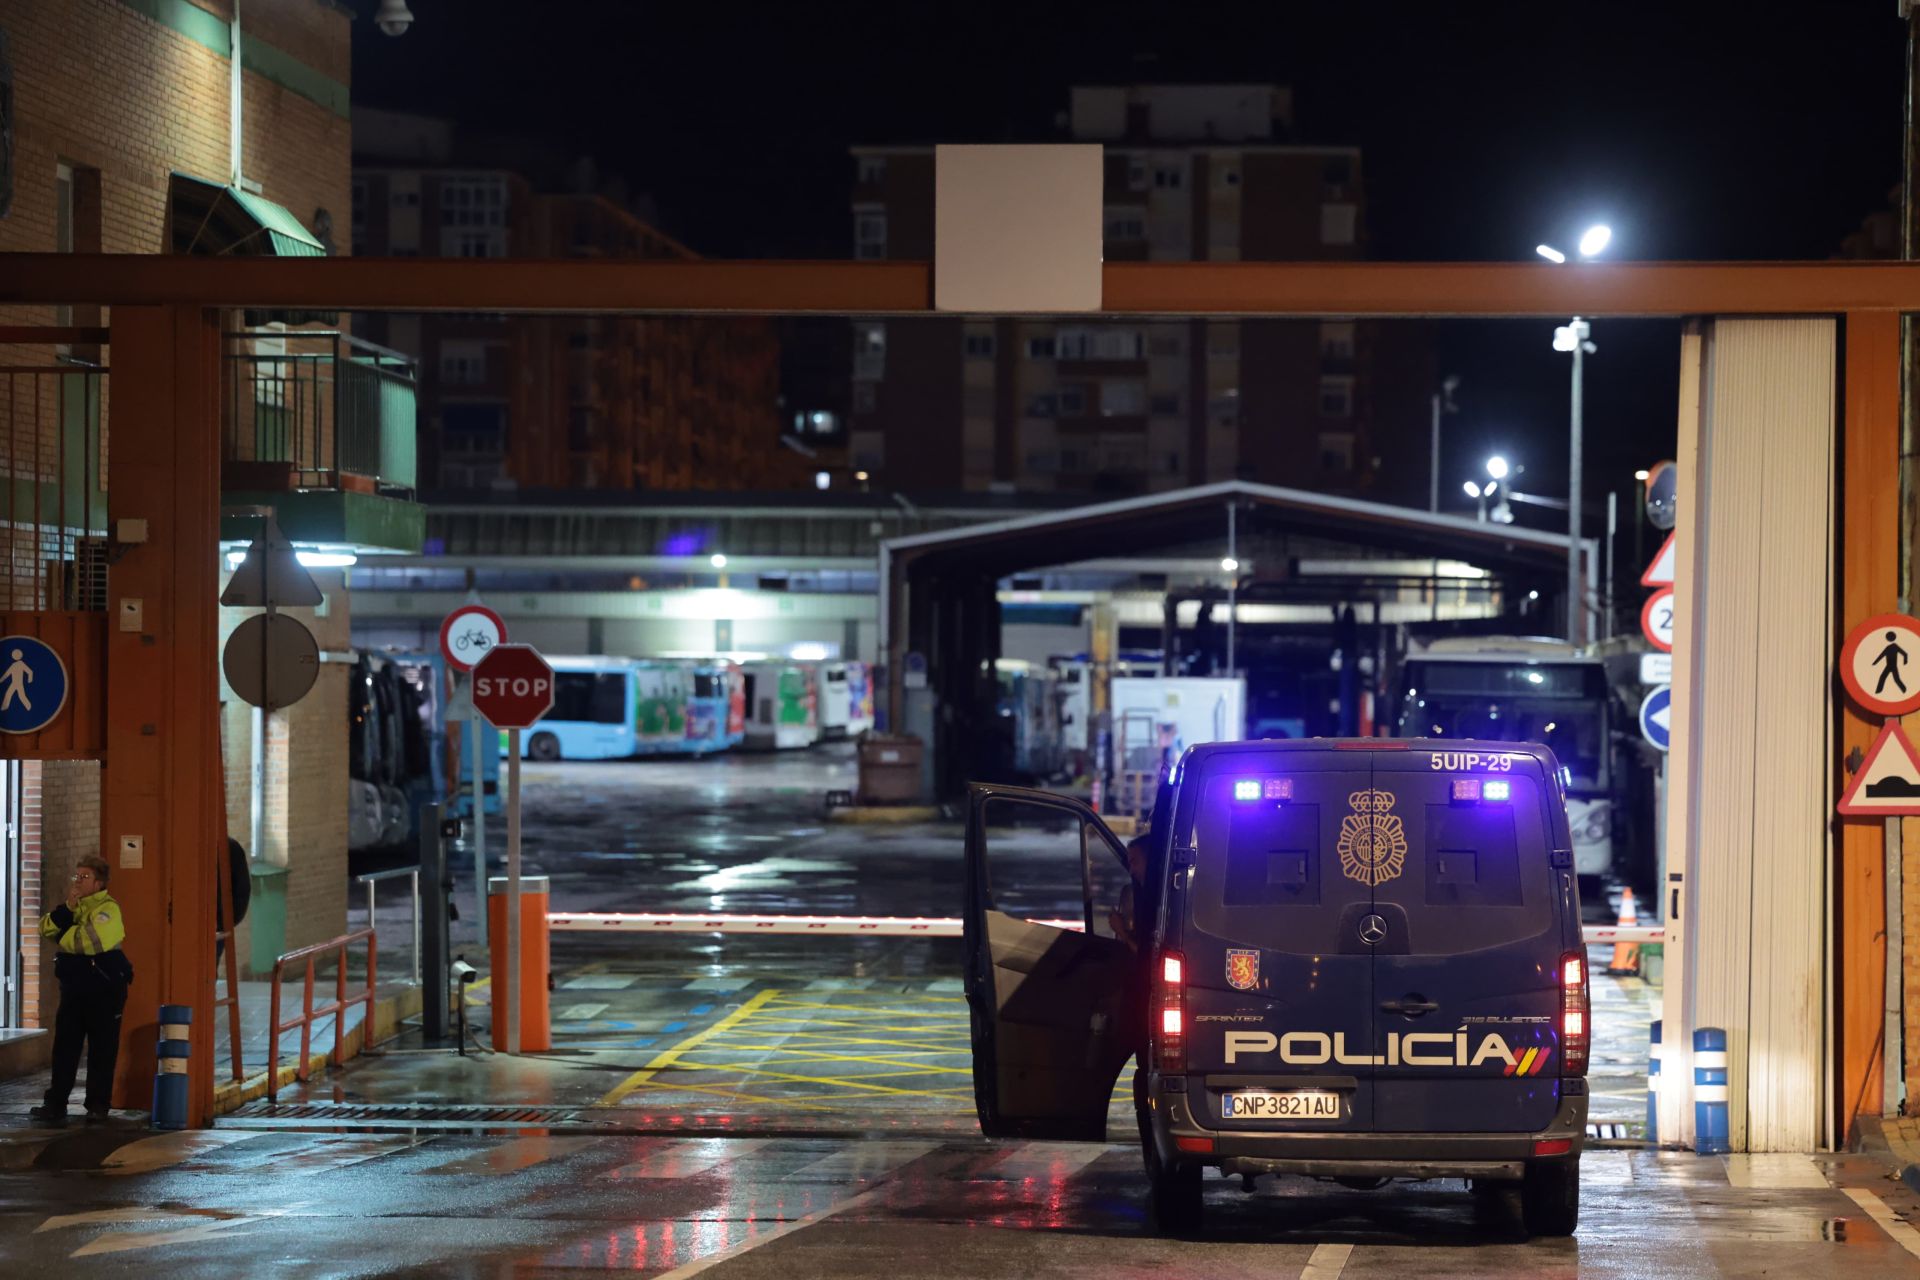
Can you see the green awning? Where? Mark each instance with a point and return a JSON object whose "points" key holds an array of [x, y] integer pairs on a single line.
{"points": [[209, 219]]}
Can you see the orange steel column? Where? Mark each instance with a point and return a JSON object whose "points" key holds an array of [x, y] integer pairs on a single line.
{"points": [[162, 781], [1869, 573]]}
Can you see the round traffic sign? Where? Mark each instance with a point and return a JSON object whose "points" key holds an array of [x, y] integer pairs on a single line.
{"points": [[271, 660], [1880, 664], [512, 686], [33, 684], [469, 634], [1656, 619], [1656, 717]]}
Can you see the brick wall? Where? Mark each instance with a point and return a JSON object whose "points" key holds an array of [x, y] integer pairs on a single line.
{"points": [[100, 86], [127, 100]]}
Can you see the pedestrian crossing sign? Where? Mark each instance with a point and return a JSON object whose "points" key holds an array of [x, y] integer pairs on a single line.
{"points": [[1880, 664], [1888, 782], [33, 684]]}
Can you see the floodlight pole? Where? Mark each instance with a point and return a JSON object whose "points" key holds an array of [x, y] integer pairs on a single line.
{"points": [[1576, 604]]}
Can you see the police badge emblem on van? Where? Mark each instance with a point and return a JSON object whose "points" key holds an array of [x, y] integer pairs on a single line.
{"points": [[1243, 968]]}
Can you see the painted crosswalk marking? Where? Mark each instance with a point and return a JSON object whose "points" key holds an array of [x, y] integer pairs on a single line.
{"points": [[191, 1226], [1326, 1262], [164, 1150], [686, 1157], [1903, 1233], [1775, 1170], [1048, 1161], [861, 1162], [511, 1156]]}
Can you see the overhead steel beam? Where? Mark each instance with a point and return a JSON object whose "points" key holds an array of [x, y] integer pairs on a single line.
{"points": [[906, 288]]}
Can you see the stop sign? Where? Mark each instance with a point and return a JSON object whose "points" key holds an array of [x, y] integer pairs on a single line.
{"points": [[512, 686]]}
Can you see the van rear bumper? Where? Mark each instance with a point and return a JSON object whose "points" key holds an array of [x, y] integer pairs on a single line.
{"points": [[1362, 1155]]}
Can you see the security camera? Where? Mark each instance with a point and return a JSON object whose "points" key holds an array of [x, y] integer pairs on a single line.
{"points": [[393, 17], [464, 972]]}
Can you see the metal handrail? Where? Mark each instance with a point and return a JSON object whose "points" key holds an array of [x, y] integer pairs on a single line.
{"points": [[338, 947], [394, 873]]}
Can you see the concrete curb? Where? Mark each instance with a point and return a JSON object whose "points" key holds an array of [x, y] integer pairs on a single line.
{"points": [[880, 814], [388, 1013]]}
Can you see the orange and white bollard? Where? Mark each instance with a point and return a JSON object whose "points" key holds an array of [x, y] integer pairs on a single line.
{"points": [[1626, 955]]}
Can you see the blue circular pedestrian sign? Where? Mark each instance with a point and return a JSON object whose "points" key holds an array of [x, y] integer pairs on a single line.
{"points": [[33, 684], [1656, 717]]}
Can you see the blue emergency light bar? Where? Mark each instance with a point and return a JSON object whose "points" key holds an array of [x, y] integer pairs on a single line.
{"points": [[1246, 789], [1263, 789], [1475, 790]]}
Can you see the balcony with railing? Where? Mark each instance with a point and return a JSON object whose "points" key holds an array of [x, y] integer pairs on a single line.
{"points": [[321, 426]]}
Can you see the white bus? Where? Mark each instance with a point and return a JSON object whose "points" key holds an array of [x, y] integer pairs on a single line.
{"points": [[1520, 689]]}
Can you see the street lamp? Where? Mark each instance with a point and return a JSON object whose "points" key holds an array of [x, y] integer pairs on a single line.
{"points": [[718, 560], [1497, 467], [1573, 339], [1475, 490]]}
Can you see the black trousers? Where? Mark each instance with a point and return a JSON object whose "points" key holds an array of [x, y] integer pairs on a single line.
{"points": [[91, 1018]]}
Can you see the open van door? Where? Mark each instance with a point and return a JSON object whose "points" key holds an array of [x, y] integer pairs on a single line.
{"points": [[1056, 1011]]}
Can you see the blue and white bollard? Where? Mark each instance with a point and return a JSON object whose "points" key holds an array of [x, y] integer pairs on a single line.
{"points": [[170, 1081], [1653, 1085], [1711, 1135]]}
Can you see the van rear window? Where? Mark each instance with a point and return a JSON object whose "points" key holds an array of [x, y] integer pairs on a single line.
{"points": [[1273, 856]]}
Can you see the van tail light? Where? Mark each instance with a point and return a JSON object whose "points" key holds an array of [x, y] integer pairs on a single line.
{"points": [[1575, 1032], [1170, 1015]]}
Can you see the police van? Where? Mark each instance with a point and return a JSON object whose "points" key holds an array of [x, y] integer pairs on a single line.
{"points": [[1357, 960]]}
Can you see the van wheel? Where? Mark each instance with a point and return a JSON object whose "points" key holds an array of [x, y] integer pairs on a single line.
{"points": [[1178, 1208], [544, 748], [1550, 1198]]}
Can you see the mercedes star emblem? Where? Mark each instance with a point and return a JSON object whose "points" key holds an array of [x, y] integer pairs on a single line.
{"points": [[1373, 930]]}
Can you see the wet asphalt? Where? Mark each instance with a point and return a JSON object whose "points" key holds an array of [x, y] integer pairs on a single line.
{"points": [[741, 1107]]}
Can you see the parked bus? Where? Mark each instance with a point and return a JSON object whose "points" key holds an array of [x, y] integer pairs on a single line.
{"points": [[389, 756], [662, 691], [782, 707], [717, 709], [1518, 689], [594, 716], [845, 693]]}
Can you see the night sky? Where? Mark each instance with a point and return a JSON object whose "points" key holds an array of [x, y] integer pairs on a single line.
{"points": [[1722, 130]]}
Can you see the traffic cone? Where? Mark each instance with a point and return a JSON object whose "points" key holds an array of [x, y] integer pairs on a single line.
{"points": [[1626, 955]]}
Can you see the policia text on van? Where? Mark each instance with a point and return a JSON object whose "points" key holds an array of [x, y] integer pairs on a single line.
{"points": [[1354, 959]]}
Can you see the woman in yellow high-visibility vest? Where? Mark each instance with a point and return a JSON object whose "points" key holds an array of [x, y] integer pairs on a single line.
{"points": [[94, 975]]}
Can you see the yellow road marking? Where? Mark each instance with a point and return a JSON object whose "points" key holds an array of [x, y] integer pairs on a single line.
{"points": [[663, 1060], [678, 1086], [854, 1008], [759, 1068], [915, 1046], [836, 1057]]}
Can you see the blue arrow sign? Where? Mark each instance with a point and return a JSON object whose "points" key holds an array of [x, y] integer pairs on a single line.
{"points": [[1656, 717], [33, 685]]}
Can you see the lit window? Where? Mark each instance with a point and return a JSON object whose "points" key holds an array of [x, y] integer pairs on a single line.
{"points": [[870, 235], [1336, 451], [1338, 223], [1126, 223], [1336, 397], [1336, 340]]}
